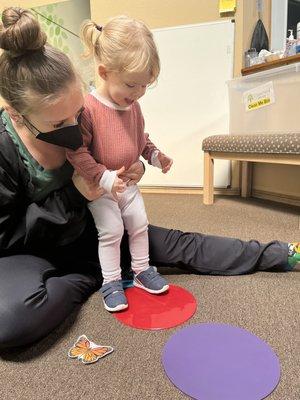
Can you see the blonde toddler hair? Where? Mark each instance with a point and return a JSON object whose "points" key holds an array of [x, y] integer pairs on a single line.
{"points": [[122, 45]]}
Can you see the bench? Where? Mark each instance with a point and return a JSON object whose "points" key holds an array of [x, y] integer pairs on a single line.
{"points": [[281, 148]]}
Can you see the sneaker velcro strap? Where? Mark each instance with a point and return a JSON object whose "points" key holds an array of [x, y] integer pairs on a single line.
{"points": [[152, 273], [111, 287]]}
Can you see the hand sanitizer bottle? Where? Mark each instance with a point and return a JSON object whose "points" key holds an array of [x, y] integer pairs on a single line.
{"points": [[290, 49], [298, 39]]}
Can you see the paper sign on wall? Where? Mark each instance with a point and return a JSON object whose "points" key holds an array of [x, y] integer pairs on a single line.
{"points": [[260, 96], [226, 6]]}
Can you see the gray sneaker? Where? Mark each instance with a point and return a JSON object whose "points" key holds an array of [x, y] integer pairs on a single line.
{"points": [[114, 298], [151, 281]]}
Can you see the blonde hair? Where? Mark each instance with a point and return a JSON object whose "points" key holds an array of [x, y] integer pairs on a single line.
{"points": [[122, 45], [31, 71]]}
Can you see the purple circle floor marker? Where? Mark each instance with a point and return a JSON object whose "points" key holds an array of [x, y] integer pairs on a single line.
{"points": [[220, 362]]}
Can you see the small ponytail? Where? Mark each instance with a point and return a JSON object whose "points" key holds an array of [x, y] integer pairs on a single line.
{"points": [[89, 34]]}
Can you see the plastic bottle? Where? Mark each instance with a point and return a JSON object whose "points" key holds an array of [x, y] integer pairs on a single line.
{"points": [[298, 38], [290, 49]]}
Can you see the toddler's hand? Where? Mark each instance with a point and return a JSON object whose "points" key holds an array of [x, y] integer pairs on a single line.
{"points": [[133, 174], [119, 185], [166, 162]]}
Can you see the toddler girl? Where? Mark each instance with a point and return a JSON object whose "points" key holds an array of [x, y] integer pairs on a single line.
{"points": [[113, 139]]}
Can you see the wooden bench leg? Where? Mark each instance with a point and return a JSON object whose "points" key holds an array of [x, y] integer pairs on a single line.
{"points": [[246, 179], [208, 187]]}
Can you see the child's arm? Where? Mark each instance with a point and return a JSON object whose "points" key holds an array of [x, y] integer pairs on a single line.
{"points": [[149, 149], [81, 159], [155, 157]]}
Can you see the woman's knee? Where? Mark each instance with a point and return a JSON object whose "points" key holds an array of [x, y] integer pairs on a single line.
{"points": [[21, 278], [33, 301], [16, 328]]}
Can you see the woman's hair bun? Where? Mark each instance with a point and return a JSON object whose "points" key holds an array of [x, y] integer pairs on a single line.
{"points": [[20, 32]]}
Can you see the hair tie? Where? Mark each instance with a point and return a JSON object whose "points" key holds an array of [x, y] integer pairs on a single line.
{"points": [[99, 28]]}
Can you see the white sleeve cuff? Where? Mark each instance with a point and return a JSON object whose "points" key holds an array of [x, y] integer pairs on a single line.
{"points": [[107, 180], [154, 159]]}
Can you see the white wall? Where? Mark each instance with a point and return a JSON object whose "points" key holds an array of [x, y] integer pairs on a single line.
{"points": [[278, 24], [190, 100]]}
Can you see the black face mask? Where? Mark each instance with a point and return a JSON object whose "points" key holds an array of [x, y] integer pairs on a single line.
{"points": [[68, 136]]}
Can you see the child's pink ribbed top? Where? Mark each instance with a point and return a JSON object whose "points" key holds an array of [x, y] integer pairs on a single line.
{"points": [[111, 139]]}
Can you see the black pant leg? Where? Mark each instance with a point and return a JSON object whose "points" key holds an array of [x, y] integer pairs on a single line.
{"points": [[35, 297], [214, 255], [82, 254]]}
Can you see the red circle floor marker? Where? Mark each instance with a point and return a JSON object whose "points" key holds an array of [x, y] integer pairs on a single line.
{"points": [[157, 311]]}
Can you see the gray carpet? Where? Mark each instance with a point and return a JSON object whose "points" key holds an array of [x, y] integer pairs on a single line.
{"points": [[267, 304]]}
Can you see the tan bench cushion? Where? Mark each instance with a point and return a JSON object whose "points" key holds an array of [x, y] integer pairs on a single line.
{"points": [[285, 143]]}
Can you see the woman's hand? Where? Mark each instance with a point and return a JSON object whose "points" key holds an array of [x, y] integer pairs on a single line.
{"points": [[133, 174], [89, 190]]}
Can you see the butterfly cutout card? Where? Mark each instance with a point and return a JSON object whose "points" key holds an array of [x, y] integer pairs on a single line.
{"points": [[87, 351]]}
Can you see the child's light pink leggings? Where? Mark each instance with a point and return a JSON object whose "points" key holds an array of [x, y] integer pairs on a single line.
{"points": [[111, 216]]}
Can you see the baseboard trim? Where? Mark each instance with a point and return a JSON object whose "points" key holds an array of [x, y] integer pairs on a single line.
{"points": [[187, 190], [278, 197], [260, 194]]}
